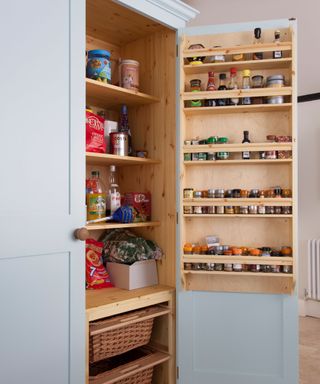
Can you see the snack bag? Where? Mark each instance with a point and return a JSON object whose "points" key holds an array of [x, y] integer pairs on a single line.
{"points": [[95, 141], [96, 274]]}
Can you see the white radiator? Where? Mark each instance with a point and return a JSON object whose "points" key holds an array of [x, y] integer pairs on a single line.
{"points": [[314, 269]]}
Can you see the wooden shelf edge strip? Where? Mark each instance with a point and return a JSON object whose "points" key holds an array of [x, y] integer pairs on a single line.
{"points": [[251, 216], [95, 227], [238, 147], [238, 108], [243, 274], [238, 259], [109, 158], [229, 162]]}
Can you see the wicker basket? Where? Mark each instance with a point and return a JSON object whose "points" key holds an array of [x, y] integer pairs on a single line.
{"points": [[119, 334], [134, 367]]}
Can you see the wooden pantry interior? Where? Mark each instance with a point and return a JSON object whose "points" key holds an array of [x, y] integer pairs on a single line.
{"points": [[153, 123]]}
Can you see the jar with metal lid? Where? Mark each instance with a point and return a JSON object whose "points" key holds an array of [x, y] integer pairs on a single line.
{"points": [[255, 252], [269, 193], [275, 100], [236, 193], [187, 266], [228, 193], [197, 210], [254, 193], [195, 86], [211, 156], [211, 210], [253, 209], [236, 209], [188, 193], [211, 193], [275, 268], [194, 142], [187, 156], [286, 251], [269, 210], [228, 266], [219, 209], [196, 60], [188, 249], [244, 210], [195, 156], [187, 210], [266, 252], [205, 210], [271, 155], [197, 194], [261, 209], [218, 267], [275, 81], [229, 210], [277, 210], [286, 269], [218, 249], [219, 193], [222, 155], [218, 58], [187, 142], [286, 210], [277, 192], [257, 82]]}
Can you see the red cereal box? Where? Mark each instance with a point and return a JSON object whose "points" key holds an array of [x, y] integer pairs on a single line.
{"points": [[141, 202], [95, 141]]}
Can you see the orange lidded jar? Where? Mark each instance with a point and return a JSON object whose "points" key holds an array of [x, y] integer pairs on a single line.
{"points": [[188, 249], [197, 250]]}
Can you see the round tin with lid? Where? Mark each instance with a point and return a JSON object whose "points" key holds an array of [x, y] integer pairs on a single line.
{"points": [[275, 81]]}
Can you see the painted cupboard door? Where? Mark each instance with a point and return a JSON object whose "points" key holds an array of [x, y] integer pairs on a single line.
{"points": [[42, 321], [226, 337]]}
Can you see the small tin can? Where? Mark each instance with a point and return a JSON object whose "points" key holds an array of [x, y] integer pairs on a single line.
{"points": [[119, 143]]}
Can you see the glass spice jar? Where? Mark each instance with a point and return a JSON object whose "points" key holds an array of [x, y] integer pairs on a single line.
{"points": [[197, 210], [202, 156], [195, 86], [277, 210], [255, 252], [205, 194], [228, 266], [286, 251], [236, 193], [253, 209], [271, 155], [244, 194], [219, 193], [237, 252], [244, 210], [219, 209], [261, 209], [211, 193], [269, 193], [188, 193], [269, 210], [286, 210], [236, 209], [254, 193], [188, 210], [194, 156], [197, 194], [228, 193], [277, 192], [187, 156], [286, 193], [266, 252], [211, 210], [286, 269], [197, 250], [188, 249], [275, 268], [229, 210], [187, 266]]}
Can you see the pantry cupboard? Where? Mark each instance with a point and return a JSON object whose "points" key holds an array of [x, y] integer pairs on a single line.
{"points": [[210, 327]]}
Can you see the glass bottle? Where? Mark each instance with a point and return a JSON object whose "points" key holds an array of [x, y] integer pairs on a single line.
{"points": [[124, 126], [246, 85], [257, 40], [211, 86], [222, 87], [246, 154], [233, 85], [113, 198], [96, 197], [277, 54]]}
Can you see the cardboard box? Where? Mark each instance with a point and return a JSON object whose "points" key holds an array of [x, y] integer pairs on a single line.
{"points": [[138, 275], [141, 202]]}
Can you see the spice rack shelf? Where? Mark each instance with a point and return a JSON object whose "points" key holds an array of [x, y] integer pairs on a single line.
{"points": [[111, 96], [249, 48], [243, 274], [238, 93], [253, 108], [240, 161], [241, 201], [104, 159], [240, 65], [111, 225], [238, 259], [238, 147], [243, 216]]}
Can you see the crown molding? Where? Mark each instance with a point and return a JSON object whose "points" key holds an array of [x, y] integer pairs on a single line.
{"points": [[177, 8]]}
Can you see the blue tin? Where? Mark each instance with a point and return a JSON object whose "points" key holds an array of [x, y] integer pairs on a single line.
{"points": [[99, 65]]}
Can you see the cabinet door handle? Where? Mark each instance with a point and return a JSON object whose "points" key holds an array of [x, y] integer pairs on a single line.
{"points": [[81, 234]]}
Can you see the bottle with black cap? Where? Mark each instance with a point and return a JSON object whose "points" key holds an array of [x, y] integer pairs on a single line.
{"points": [[245, 154], [257, 40]]}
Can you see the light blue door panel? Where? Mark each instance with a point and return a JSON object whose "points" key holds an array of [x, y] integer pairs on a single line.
{"points": [[235, 338], [42, 164]]}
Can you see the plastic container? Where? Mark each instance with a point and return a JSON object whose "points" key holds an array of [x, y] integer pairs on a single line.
{"points": [[99, 65], [129, 74]]}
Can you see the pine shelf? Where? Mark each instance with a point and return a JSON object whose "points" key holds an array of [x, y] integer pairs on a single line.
{"points": [[206, 202], [253, 108], [112, 225], [239, 65], [263, 260], [104, 159], [111, 96], [232, 216], [243, 274], [238, 147], [240, 161]]}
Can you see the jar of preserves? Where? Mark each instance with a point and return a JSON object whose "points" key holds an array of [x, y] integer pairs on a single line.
{"points": [[244, 194], [197, 210], [286, 193], [253, 209], [197, 250], [219, 209], [269, 193], [188, 193], [286, 251], [204, 250], [187, 210], [188, 249], [195, 86], [244, 210], [219, 193]]}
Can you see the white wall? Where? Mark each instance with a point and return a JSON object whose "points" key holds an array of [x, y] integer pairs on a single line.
{"points": [[307, 13]]}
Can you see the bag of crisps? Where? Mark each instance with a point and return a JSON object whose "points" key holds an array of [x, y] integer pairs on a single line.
{"points": [[95, 141], [96, 274]]}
